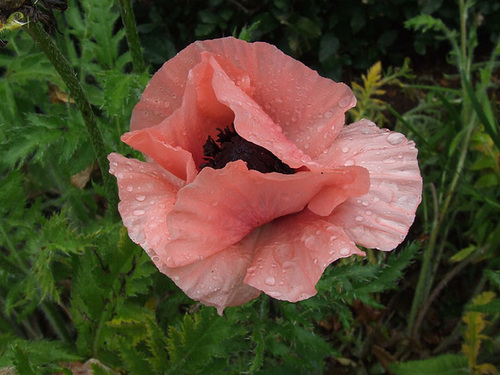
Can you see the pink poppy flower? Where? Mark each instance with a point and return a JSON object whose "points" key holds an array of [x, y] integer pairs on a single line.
{"points": [[252, 182]]}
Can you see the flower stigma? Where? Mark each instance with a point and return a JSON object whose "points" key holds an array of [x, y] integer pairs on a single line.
{"points": [[230, 146]]}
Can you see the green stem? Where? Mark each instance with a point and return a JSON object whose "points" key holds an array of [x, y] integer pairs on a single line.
{"points": [[134, 45], [469, 119], [67, 73], [58, 324]]}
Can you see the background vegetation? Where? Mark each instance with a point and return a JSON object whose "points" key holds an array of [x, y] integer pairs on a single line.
{"points": [[77, 294]]}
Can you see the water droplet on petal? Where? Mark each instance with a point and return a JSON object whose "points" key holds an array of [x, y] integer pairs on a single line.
{"points": [[345, 251], [359, 218], [395, 138], [270, 281], [345, 149], [345, 101], [369, 213], [315, 260], [140, 198], [349, 162], [176, 278], [130, 188], [139, 212]]}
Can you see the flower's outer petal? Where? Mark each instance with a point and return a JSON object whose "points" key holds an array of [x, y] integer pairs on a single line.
{"points": [[218, 280], [381, 218], [220, 207], [147, 193], [308, 108], [292, 252]]}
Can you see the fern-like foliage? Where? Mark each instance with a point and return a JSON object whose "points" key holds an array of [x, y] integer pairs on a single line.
{"points": [[473, 337], [369, 104]]}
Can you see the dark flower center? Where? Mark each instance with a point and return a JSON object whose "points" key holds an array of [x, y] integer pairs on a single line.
{"points": [[229, 146]]}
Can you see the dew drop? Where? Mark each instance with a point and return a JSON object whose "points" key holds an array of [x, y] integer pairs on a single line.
{"points": [[345, 251], [390, 161], [139, 212], [345, 150], [345, 101], [395, 138], [130, 188], [270, 281], [369, 213], [140, 198], [315, 260], [349, 162], [310, 242], [359, 218], [251, 269], [176, 278], [365, 203], [328, 114]]}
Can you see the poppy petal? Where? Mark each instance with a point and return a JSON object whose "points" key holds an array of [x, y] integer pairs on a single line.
{"points": [[171, 142], [220, 207], [292, 252], [307, 107], [147, 193], [217, 280], [381, 218]]}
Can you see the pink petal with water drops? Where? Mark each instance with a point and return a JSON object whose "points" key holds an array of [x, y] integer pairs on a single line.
{"points": [[381, 218], [177, 142], [218, 280], [292, 252], [222, 206], [147, 193], [307, 107]]}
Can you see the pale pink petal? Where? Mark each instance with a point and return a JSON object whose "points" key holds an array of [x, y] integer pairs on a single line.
{"points": [[308, 108], [176, 160], [253, 124], [177, 142], [292, 252], [222, 206], [381, 218], [147, 194], [217, 280]]}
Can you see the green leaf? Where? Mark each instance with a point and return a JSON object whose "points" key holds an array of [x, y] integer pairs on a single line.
{"points": [[489, 124], [447, 364], [196, 343]]}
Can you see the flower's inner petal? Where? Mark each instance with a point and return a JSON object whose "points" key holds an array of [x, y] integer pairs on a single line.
{"points": [[253, 124], [177, 142], [292, 252], [220, 207], [381, 218], [308, 108], [231, 147]]}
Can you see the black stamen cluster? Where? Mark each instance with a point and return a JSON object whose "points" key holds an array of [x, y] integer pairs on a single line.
{"points": [[229, 146]]}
